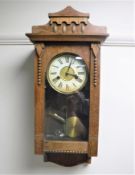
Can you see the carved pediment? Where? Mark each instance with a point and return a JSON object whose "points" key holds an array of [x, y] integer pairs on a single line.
{"points": [[68, 15], [68, 12], [68, 22]]}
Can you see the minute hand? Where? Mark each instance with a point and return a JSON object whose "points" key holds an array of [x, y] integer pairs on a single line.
{"points": [[69, 66]]}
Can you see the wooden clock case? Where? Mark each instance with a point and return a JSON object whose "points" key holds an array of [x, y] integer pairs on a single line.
{"points": [[68, 31]]}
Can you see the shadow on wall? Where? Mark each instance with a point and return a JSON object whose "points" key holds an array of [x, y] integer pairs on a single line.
{"points": [[26, 128]]}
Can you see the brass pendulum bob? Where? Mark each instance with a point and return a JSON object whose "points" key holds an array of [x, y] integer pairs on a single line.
{"points": [[74, 127]]}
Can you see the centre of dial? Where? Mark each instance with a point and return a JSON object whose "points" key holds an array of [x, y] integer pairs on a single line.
{"points": [[64, 73]]}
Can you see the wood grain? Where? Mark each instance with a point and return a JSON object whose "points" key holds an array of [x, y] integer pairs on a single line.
{"points": [[94, 101], [39, 101], [66, 146]]}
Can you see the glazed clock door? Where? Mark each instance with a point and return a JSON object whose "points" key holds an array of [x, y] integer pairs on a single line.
{"points": [[67, 98]]}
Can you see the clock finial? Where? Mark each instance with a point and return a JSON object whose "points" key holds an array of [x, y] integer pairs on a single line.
{"points": [[68, 15], [68, 12]]}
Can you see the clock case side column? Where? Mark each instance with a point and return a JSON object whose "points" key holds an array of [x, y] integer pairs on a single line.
{"points": [[94, 99], [39, 96]]}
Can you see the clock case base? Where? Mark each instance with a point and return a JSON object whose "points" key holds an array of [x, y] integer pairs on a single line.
{"points": [[65, 159]]}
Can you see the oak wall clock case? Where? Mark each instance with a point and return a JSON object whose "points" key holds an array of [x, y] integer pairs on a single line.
{"points": [[67, 76]]}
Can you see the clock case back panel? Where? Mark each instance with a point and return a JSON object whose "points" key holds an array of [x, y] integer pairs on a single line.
{"points": [[68, 31]]}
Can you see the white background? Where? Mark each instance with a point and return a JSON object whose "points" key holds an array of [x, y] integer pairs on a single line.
{"points": [[116, 137]]}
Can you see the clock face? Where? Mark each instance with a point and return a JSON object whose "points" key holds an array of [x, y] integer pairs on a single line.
{"points": [[67, 73]]}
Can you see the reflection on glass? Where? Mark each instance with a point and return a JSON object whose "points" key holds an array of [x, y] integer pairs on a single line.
{"points": [[67, 109]]}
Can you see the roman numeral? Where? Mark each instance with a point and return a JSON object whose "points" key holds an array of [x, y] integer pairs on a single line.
{"points": [[55, 79], [60, 85], [79, 80], [80, 66], [80, 73], [73, 60], [67, 59], [53, 73], [55, 66], [59, 60], [67, 87], [74, 84]]}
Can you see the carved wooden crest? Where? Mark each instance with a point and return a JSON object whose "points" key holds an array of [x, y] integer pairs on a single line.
{"points": [[68, 22]]}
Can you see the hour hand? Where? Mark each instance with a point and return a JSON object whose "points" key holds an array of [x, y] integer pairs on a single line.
{"points": [[76, 77]]}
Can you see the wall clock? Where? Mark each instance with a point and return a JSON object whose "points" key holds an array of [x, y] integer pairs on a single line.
{"points": [[67, 76]]}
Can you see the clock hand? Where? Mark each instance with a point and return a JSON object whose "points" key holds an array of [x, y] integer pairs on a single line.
{"points": [[56, 79], [76, 77], [69, 66]]}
